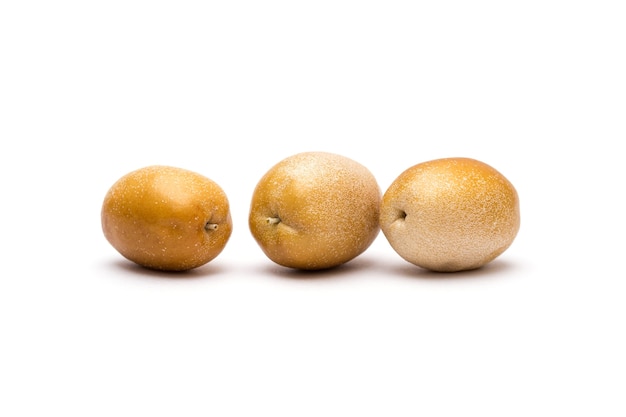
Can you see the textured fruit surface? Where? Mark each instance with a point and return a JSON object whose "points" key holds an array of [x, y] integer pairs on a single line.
{"points": [[315, 210], [166, 218], [450, 214]]}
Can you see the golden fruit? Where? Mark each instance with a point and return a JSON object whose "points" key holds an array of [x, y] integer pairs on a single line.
{"points": [[166, 218], [450, 214], [315, 210]]}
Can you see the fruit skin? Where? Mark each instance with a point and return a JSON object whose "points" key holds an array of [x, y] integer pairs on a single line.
{"points": [[450, 214], [166, 218], [315, 210]]}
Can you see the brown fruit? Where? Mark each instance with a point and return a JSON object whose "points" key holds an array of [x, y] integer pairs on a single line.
{"points": [[450, 214], [315, 210], [166, 218]]}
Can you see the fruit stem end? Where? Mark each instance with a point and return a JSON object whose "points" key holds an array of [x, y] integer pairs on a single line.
{"points": [[211, 226]]}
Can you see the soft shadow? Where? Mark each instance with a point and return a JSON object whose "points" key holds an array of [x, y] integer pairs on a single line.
{"points": [[347, 269], [201, 272], [497, 268]]}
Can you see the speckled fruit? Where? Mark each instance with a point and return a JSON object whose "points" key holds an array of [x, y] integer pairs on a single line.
{"points": [[166, 218], [450, 214], [315, 210]]}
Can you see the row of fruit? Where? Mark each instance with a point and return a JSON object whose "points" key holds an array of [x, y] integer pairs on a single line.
{"points": [[318, 210]]}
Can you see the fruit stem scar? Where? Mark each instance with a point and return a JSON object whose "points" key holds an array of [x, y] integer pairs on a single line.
{"points": [[273, 220], [210, 226]]}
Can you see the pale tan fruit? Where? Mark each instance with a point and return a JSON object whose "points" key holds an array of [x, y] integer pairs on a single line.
{"points": [[450, 214], [315, 210], [166, 218]]}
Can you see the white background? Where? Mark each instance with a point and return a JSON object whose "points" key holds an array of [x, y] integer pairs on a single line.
{"points": [[92, 90]]}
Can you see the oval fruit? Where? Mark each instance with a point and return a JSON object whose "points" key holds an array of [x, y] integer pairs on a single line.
{"points": [[166, 218], [450, 214], [315, 210]]}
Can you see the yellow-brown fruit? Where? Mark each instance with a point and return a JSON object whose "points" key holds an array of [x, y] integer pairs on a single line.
{"points": [[166, 218], [315, 210], [450, 214]]}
